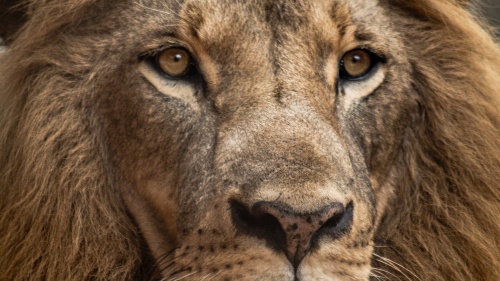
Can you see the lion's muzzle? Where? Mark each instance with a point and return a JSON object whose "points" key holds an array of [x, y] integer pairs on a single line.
{"points": [[295, 233]]}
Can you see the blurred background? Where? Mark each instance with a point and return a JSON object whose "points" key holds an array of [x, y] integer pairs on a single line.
{"points": [[491, 10]]}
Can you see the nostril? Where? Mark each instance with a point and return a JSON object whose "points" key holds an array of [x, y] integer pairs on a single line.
{"points": [[246, 218], [339, 224], [258, 224], [241, 214]]}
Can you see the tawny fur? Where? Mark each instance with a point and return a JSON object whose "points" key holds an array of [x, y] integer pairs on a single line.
{"points": [[444, 225], [61, 217]]}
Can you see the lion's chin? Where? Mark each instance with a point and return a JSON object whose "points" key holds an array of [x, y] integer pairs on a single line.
{"points": [[319, 269], [274, 267]]}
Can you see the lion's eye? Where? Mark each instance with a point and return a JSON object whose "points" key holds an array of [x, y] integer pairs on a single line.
{"points": [[356, 64], [174, 62]]}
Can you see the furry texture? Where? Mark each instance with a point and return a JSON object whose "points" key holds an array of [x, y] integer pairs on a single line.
{"points": [[61, 219], [443, 225], [62, 216]]}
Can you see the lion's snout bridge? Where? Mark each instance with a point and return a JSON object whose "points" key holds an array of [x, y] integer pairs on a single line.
{"points": [[290, 190], [294, 233]]}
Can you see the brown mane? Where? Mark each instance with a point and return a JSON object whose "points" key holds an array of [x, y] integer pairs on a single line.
{"points": [[62, 218], [444, 224]]}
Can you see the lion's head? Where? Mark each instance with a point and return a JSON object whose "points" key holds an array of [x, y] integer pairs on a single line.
{"points": [[248, 140]]}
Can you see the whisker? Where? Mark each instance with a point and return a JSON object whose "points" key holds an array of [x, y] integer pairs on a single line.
{"points": [[378, 278], [215, 275], [382, 271], [156, 268], [396, 266], [161, 258], [172, 263], [185, 276], [206, 276], [168, 12], [180, 271], [393, 267]]}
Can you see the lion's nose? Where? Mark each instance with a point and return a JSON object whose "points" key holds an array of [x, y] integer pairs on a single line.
{"points": [[293, 232]]}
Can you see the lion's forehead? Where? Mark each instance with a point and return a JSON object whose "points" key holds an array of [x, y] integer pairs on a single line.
{"points": [[259, 26]]}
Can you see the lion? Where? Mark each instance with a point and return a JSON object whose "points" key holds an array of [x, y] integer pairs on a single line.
{"points": [[248, 140]]}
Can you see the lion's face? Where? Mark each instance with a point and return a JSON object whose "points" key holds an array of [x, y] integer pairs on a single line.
{"points": [[255, 141], [248, 140]]}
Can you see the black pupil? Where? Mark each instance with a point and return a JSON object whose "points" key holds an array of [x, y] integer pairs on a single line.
{"points": [[177, 57], [356, 58]]}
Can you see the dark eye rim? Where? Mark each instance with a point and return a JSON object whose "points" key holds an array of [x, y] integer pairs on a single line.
{"points": [[375, 59]]}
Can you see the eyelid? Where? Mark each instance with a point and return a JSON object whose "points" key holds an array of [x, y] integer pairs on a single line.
{"points": [[163, 44], [377, 52]]}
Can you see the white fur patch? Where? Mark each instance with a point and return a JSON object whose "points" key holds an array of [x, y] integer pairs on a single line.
{"points": [[356, 90], [175, 88]]}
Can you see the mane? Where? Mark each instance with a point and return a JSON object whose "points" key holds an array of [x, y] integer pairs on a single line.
{"points": [[444, 223], [61, 217]]}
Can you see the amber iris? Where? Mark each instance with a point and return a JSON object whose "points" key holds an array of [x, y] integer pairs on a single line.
{"points": [[174, 62], [357, 63]]}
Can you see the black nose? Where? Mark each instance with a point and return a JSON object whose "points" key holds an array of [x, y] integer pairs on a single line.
{"points": [[292, 232]]}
